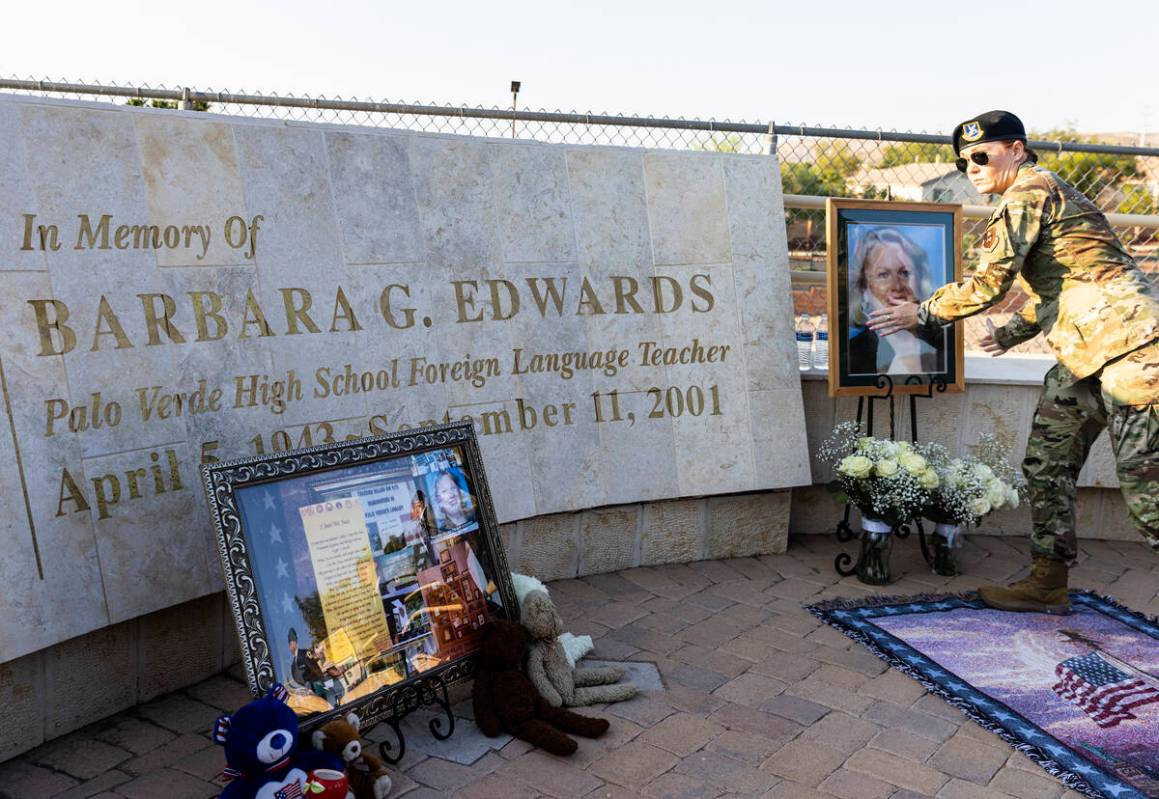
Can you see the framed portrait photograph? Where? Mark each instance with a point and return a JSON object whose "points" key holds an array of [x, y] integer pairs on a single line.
{"points": [[882, 251], [354, 569]]}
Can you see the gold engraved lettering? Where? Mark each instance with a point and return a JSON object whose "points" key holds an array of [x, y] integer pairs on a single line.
{"points": [[133, 475], [121, 237], [463, 300], [496, 422], [158, 478], [113, 497], [497, 310], [48, 235], [106, 317], [201, 315], [695, 353], [70, 492], [588, 297], [384, 305], [252, 315], [702, 292], [553, 292], [155, 324], [85, 231], [342, 310], [472, 370], [47, 326], [153, 403], [566, 364], [296, 312], [96, 414], [238, 234], [626, 288], [252, 391], [658, 293]]}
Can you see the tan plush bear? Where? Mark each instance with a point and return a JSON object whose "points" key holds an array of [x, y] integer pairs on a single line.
{"points": [[365, 772], [549, 669]]}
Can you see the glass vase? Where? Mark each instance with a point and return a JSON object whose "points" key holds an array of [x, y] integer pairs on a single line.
{"points": [[945, 540], [876, 548]]}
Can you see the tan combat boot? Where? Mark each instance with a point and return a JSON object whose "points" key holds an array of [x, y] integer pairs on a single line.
{"points": [[1042, 591]]}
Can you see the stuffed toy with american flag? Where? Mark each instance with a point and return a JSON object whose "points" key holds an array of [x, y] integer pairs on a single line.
{"points": [[262, 752]]}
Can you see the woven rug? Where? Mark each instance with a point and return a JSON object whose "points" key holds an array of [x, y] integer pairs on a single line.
{"points": [[1078, 694]]}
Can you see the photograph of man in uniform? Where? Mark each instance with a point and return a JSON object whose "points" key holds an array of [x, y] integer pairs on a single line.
{"points": [[306, 670]]}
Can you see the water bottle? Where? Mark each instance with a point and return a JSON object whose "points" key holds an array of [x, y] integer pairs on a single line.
{"points": [[804, 343], [821, 348]]}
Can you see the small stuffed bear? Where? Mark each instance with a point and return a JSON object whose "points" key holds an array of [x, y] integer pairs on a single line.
{"points": [[505, 700], [261, 750], [549, 669], [574, 646], [365, 772]]}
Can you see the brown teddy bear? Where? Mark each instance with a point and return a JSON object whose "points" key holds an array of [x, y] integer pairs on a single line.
{"points": [[557, 681], [365, 772], [506, 700]]}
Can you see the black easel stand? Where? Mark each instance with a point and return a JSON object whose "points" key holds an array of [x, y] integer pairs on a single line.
{"points": [[844, 531], [404, 701]]}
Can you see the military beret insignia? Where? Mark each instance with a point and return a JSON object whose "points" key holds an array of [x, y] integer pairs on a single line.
{"points": [[991, 126]]}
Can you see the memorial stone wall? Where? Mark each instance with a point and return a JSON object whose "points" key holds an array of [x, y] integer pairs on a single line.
{"points": [[178, 288]]}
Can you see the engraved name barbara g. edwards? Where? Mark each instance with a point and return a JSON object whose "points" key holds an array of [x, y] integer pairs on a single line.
{"points": [[101, 232], [211, 316]]}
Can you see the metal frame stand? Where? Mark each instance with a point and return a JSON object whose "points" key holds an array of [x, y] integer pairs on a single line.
{"points": [[423, 691], [845, 533]]}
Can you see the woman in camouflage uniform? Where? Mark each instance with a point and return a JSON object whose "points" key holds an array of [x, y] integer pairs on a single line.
{"points": [[1100, 315]]}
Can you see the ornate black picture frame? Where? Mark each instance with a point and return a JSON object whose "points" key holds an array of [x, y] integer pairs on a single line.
{"points": [[307, 539]]}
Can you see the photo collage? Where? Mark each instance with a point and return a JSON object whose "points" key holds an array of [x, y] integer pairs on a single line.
{"points": [[369, 574]]}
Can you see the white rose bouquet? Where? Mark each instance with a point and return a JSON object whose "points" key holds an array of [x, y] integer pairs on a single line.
{"points": [[888, 481], [969, 488], [973, 485]]}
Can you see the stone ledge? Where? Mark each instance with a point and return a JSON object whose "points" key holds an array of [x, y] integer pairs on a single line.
{"points": [[619, 537]]}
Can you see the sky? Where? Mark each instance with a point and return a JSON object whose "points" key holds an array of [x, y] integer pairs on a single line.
{"points": [[895, 64]]}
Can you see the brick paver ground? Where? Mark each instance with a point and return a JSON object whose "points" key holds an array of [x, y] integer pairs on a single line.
{"points": [[759, 699]]}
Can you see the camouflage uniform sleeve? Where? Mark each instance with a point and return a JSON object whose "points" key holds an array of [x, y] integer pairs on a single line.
{"points": [[1023, 326], [1011, 232]]}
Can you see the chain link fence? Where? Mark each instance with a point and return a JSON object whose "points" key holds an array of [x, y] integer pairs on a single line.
{"points": [[1118, 172]]}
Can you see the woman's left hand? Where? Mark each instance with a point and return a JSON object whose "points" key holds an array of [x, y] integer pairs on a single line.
{"points": [[901, 315]]}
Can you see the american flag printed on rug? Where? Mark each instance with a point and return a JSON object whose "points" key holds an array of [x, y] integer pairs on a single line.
{"points": [[291, 791], [1104, 690]]}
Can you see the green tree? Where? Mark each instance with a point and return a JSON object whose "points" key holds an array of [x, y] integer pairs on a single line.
{"points": [[1136, 200], [836, 158], [721, 143], [916, 152], [1090, 173], [810, 180], [826, 176]]}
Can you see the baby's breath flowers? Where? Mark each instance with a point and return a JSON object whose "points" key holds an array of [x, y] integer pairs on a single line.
{"points": [[889, 481], [973, 485]]}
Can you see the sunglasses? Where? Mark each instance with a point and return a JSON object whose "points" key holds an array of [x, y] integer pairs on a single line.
{"points": [[981, 159]]}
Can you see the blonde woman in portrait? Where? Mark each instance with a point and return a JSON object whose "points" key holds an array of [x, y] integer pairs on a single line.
{"points": [[887, 265], [453, 505]]}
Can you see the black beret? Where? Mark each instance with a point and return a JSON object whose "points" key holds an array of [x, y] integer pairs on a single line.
{"points": [[991, 126]]}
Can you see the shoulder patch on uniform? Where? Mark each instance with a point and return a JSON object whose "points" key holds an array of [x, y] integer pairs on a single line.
{"points": [[972, 131], [989, 238]]}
